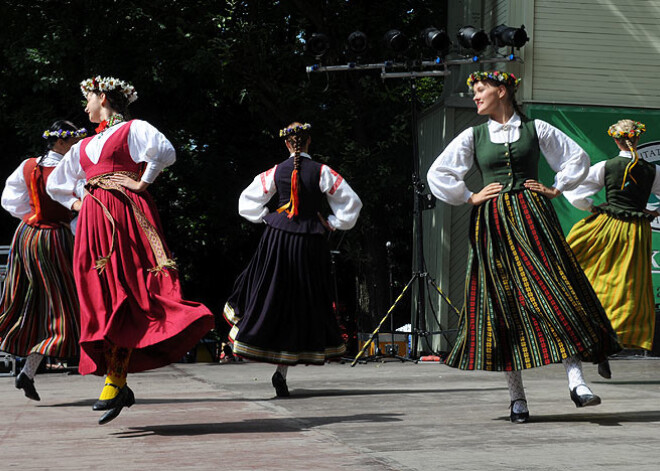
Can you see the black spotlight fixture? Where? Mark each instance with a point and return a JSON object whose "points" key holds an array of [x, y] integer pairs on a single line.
{"points": [[472, 38], [357, 42], [317, 45], [436, 39], [503, 35], [396, 41]]}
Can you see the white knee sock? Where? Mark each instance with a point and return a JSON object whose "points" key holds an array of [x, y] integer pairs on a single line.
{"points": [[573, 367], [516, 391], [32, 363], [282, 370]]}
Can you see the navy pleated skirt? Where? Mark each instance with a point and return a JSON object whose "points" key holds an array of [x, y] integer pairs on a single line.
{"points": [[281, 306]]}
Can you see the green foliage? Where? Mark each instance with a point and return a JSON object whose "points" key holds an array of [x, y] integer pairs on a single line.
{"points": [[220, 79]]}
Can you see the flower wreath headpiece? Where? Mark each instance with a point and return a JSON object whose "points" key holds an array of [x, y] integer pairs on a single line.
{"points": [[637, 129], [297, 129], [503, 78], [104, 84], [62, 134]]}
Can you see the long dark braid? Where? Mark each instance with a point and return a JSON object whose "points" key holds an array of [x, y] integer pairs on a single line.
{"points": [[295, 134]]}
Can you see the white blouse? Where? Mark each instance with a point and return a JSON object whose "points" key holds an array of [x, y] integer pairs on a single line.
{"points": [[565, 157], [595, 181], [343, 201], [16, 196], [145, 144]]}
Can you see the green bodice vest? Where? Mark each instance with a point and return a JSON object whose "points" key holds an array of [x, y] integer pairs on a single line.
{"points": [[510, 164], [631, 201]]}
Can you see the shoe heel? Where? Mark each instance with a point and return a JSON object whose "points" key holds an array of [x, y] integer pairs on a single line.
{"points": [[130, 398]]}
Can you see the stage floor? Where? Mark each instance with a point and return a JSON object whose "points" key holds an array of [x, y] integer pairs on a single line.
{"points": [[374, 416]]}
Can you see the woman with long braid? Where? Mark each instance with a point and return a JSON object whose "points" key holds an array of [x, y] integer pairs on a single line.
{"points": [[40, 313], [527, 301], [133, 315], [613, 245], [281, 306]]}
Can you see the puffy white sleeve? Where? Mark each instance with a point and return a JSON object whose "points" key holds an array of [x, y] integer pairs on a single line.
{"points": [[147, 144], [253, 200], [564, 155], [595, 181], [64, 182], [445, 177], [15, 196], [343, 201]]}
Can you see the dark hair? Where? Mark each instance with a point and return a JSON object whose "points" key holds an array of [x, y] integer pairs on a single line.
{"points": [[59, 125], [117, 101], [297, 135]]}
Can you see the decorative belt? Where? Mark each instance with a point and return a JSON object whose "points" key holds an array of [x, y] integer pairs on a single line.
{"points": [[103, 181]]}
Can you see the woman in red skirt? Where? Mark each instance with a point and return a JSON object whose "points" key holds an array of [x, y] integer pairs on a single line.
{"points": [[133, 316], [39, 313]]}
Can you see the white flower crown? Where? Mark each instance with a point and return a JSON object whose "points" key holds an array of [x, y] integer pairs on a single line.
{"points": [[105, 84]]}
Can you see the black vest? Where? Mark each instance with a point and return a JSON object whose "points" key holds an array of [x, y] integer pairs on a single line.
{"points": [[309, 198]]}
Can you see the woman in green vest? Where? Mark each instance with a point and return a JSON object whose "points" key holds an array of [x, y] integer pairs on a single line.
{"points": [[527, 301], [613, 245]]}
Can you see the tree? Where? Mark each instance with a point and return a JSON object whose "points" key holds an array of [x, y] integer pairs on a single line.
{"points": [[220, 79]]}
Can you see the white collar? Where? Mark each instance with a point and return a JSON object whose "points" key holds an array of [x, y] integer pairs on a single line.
{"points": [[303, 154], [51, 159], [512, 123], [625, 153]]}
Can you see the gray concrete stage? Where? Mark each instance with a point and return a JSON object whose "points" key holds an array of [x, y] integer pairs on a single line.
{"points": [[375, 416]]}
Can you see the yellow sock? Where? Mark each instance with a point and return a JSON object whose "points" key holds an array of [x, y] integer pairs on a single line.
{"points": [[110, 392]]}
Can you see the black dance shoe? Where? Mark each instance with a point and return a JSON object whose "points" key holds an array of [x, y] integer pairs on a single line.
{"points": [[518, 417], [279, 383], [105, 404], [604, 369], [27, 385], [584, 400], [125, 398]]}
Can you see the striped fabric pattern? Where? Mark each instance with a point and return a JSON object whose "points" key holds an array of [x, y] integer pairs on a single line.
{"points": [[616, 257], [527, 301], [40, 310]]}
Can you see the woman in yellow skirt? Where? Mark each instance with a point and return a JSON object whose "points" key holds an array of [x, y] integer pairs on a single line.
{"points": [[613, 245]]}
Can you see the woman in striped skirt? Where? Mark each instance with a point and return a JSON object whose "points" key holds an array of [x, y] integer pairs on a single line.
{"points": [[281, 307], [40, 311], [527, 301], [613, 245]]}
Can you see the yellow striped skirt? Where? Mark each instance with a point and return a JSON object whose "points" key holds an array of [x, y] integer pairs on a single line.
{"points": [[616, 257]]}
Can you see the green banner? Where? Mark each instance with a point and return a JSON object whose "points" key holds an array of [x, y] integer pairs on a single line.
{"points": [[588, 127]]}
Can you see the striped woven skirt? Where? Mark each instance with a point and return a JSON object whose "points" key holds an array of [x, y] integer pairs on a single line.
{"points": [[527, 301], [281, 306], [40, 310], [616, 257]]}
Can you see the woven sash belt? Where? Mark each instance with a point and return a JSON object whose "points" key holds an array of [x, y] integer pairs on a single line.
{"points": [[103, 181]]}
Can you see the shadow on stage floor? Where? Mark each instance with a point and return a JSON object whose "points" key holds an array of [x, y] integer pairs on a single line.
{"points": [[295, 394], [279, 425], [610, 419]]}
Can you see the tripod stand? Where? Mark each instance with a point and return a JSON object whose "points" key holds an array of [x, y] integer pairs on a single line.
{"points": [[420, 203]]}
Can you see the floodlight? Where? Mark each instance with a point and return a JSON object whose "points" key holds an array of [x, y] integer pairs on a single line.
{"points": [[396, 41], [357, 42], [472, 38], [317, 45], [503, 35], [436, 39]]}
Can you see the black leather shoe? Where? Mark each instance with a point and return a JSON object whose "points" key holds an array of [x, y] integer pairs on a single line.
{"points": [[584, 400], [27, 385], [125, 398], [279, 383], [604, 369], [518, 417], [105, 404]]}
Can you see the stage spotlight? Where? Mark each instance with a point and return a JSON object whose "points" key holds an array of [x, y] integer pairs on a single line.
{"points": [[357, 42], [503, 35], [472, 38], [317, 45], [436, 39], [396, 41]]}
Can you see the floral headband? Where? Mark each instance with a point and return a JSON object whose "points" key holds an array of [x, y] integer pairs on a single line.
{"points": [[105, 84], [62, 134], [293, 130], [637, 129], [503, 78]]}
